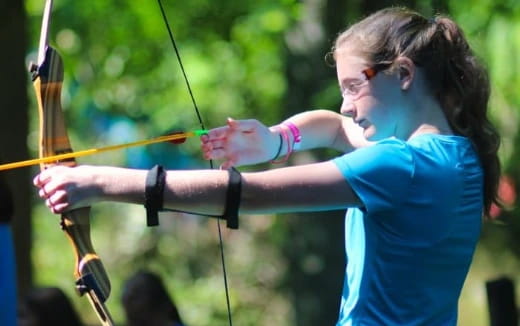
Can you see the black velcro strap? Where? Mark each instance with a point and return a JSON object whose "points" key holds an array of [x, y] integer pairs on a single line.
{"points": [[154, 193], [233, 197]]}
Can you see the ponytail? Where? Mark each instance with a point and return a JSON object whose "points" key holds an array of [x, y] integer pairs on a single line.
{"points": [[464, 98]]}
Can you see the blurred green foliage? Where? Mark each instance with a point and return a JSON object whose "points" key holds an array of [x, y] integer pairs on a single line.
{"points": [[123, 83]]}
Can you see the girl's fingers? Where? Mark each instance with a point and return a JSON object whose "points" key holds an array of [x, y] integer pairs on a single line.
{"points": [[57, 208], [58, 202], [216, 133], [245, 126], [41, 179], [216, 154], [42, 193], [219, 144]]}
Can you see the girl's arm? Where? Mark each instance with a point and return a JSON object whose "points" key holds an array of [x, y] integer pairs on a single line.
{"points": [[324, 128], [314, 187], [243, 142]]}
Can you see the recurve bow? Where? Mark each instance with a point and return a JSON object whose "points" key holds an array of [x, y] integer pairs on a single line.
{"points": [[47, 76]]}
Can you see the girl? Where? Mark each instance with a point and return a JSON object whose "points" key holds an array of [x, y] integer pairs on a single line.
{"points": [[420, 169]]}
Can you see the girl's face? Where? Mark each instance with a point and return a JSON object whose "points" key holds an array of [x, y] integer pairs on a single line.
{"points": [[373, 102]]}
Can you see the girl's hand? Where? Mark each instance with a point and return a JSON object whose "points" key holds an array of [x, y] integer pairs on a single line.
{"points": [[240, 142]]}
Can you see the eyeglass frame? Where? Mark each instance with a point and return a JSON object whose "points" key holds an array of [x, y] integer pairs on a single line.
{"points": [[367, 75]]}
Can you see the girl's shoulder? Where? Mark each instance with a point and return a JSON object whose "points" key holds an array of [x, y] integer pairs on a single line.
{"points": [[427, 140], [442, 147]]}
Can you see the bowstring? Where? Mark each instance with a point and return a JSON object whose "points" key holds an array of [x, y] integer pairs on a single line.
{"points": [[201, 122]]}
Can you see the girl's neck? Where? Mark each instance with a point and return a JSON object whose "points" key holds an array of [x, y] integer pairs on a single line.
{"points": [[430, 119], [426, 128]]}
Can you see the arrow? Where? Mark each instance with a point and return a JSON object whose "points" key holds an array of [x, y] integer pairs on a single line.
{"points": [[176, 138]]}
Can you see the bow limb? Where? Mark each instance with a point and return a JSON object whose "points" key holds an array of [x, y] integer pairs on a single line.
{"points": [[91, 277]]}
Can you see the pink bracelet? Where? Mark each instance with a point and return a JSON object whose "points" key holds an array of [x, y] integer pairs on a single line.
{"points": [[285, 137], [297, 138]]}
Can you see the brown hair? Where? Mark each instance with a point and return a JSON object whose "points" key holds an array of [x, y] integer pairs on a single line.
{"points": [[454, 74]]}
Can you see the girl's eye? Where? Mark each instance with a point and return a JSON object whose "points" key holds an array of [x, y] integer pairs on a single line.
{"points": [[353, 88]]}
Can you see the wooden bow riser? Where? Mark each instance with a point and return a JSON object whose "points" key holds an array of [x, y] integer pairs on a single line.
{"points": [[91, 277]]}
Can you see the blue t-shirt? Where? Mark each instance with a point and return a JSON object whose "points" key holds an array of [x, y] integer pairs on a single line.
{"points": [[410, 246]]}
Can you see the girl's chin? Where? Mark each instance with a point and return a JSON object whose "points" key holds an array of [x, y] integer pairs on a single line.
{"points": [[370, 134]]}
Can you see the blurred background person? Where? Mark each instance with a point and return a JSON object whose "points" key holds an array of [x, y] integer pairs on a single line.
{"points": [[47, 306], [146, 302]]}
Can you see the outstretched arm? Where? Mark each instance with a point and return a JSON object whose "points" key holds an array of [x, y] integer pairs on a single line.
{"points": [[324, 128], [243, 142], [312, 187]]}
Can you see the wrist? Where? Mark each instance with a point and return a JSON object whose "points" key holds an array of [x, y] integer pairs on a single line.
{"points": [[277, 141], [102, 186], [295, 132], [289, 135], [284, 141]]}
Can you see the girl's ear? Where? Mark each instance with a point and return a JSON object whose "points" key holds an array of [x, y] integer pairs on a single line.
{"points": [[406, 72]]}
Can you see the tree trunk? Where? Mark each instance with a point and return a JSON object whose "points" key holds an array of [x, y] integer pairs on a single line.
{"points": [[13, 130]]}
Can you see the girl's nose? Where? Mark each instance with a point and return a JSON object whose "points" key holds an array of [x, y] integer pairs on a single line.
{"points": [[347, 107]]}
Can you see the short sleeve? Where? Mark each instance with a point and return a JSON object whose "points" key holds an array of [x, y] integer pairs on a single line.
{"points": [[380, 174]]}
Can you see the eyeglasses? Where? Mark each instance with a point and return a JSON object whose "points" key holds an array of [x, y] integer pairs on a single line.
{"points": [[352, 89]]}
